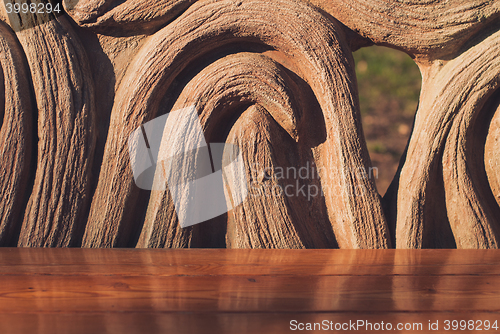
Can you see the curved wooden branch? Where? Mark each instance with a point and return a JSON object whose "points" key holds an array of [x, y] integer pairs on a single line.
{"points": [[254, 79], [452, 96], [113, 16], [15, 135], [427, 29], [276, 214], [56, 211], [491, 156], [474, 214], [314, 44], [276, 80]]}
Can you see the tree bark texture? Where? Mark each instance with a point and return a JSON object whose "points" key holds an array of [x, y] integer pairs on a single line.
{"points": [[276, 80]]}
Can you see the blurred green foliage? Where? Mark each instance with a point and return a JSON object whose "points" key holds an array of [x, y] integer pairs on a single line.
{"points": [[385, 74], [389, 87], [377, 147]]}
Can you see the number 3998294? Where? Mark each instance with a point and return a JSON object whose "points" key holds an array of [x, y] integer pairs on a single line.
{"points": [[33, 8]]}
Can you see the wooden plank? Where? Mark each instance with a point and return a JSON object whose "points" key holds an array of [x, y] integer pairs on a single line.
{"points": [[74, 280], [55, 293], [220, 262], [222, 323], [240, 291]]}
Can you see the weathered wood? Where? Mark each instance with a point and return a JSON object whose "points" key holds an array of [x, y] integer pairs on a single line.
{"points": [[428, 30], [56, 212], [275, 79], [15, 135], [270, 218], [491, 156], [134, 17], [441, 132], [257, 79], [326, 67]]}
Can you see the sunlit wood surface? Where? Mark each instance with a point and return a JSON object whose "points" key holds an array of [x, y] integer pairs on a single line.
{"points": [[240, 291]]}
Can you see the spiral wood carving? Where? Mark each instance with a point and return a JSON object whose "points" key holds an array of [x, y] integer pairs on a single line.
{"points": [[273, 78]]}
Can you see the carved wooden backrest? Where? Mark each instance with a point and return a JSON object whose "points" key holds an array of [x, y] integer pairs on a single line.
{"points": [[274, 78]]}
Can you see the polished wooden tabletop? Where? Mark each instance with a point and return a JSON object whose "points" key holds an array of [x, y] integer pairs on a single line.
{"points": [[246, 291]]}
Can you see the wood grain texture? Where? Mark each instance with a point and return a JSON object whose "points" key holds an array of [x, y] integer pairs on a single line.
{"points": [[119, 17], [277, 80], [243, 262], [325, 66], [491, 156], [63, 87], [241, 290], [452, 96], [256, 79], [238, 294], [270, 218], [211, 323], [17, 115], [428, 30]]}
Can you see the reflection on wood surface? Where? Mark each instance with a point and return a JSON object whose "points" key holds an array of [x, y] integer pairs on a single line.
{"points": [[243, 291]]}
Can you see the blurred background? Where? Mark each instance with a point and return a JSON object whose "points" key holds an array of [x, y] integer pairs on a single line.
{"points": [[389, 86]]}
